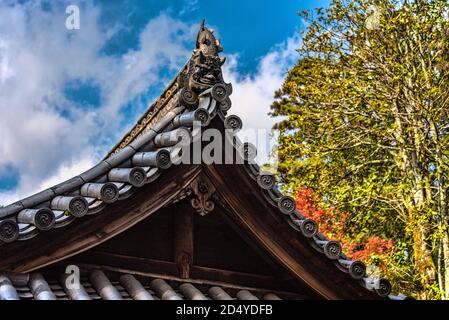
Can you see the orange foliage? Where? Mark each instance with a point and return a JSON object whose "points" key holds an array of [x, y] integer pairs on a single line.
{"points": [[332, 224]]}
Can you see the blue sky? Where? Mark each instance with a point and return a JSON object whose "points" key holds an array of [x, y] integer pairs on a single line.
{"points": [[67, 95], [249, 27]]}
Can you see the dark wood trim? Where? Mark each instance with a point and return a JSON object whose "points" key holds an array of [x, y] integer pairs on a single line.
{"points": [[183, 239], [246, 206], [107, 259], [243, 203], [164, 269], [89, 231], [254, 245]]}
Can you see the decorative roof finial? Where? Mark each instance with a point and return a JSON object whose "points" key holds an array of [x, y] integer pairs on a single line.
{"points": [[206, 41]]}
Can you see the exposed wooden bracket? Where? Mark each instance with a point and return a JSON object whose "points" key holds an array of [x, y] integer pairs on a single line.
{"points": [[183, 240], [203, 191]]}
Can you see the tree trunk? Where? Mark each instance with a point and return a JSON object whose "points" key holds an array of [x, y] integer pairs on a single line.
{"points": [[440, 268], [422, 255], [443, 274], [446, 264]]}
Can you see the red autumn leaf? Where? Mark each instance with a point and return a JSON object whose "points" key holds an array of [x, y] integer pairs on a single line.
{"points": [[332, 224]]}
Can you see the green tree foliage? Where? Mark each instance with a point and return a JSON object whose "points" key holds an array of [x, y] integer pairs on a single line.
{"points": [[367, 125]]}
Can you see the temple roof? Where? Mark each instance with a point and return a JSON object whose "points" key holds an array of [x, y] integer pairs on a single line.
{"points": [[144, 156], [100, 284]]}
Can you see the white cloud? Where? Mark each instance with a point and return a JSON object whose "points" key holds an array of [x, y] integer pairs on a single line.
{"points": [[70, 169], [163, 44], [5, 70], [189, 6], [38, 56], [65, 171], [254, 93]]}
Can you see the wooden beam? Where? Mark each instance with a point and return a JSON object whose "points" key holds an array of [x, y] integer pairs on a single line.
{"points": [[166, 270], [269, 228], [183, 239], [87, 232], [104, 259]]}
